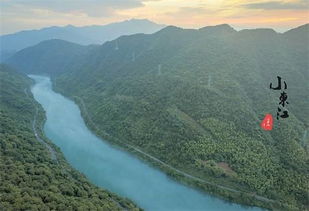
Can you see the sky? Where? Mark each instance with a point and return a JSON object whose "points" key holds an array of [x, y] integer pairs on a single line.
{"points": [[281, 15]]}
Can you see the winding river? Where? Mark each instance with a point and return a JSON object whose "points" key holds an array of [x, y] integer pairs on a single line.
{"points": [[112, 168]]}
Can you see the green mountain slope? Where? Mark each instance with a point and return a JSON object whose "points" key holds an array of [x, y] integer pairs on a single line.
{"points": [[49, 57], [31, 177], [195, 98]]}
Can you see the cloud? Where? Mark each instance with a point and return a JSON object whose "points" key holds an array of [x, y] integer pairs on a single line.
{"points": [[185, 11], [93, 8], [274, 5]]}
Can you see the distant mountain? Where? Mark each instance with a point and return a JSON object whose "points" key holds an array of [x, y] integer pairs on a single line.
{"points": [[300, 33], [195, 99], [219, 29], [81, 35]]}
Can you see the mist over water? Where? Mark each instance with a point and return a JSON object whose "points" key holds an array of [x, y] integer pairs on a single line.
{"points": [[112, 168]]}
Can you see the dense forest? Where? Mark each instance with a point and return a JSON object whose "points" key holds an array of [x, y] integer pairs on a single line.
{"points": [[34, 176], [194, 99]]}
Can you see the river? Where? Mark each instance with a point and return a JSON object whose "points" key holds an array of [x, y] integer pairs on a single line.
{"points": [[114, 169]]}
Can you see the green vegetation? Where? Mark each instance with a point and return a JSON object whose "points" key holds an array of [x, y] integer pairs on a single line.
{"points": [[30, 179], [46, 61], [195, 98]]}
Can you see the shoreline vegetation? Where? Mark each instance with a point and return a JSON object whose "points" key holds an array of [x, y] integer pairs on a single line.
{"points": [[123, 203], [228, 194]]}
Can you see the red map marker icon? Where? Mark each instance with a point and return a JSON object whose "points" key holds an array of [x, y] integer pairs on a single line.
{"points": [[267, 123]]}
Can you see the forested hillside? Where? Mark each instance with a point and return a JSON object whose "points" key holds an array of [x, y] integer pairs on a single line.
{"points": [[49, 57], [195, 100], [33, 177]]}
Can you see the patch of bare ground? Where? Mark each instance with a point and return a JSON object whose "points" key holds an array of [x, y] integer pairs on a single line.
{"points": [[226, 167]]}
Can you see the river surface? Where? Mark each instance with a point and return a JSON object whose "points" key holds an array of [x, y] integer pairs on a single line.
{"points": [[112, 168]]}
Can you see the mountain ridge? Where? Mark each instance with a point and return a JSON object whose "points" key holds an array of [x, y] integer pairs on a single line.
{"points": [[85, 35]]}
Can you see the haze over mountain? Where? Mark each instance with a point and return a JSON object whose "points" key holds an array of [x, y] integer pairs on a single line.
{"points": [[82, 35], [195, 99]]}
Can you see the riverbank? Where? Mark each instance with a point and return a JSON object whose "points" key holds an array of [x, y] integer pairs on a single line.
{"points": [[223, 192], [34, 174], [38, 131], [58, 158]]}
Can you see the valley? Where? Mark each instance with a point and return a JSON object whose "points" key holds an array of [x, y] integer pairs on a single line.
{"points": [[190, 102]]}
